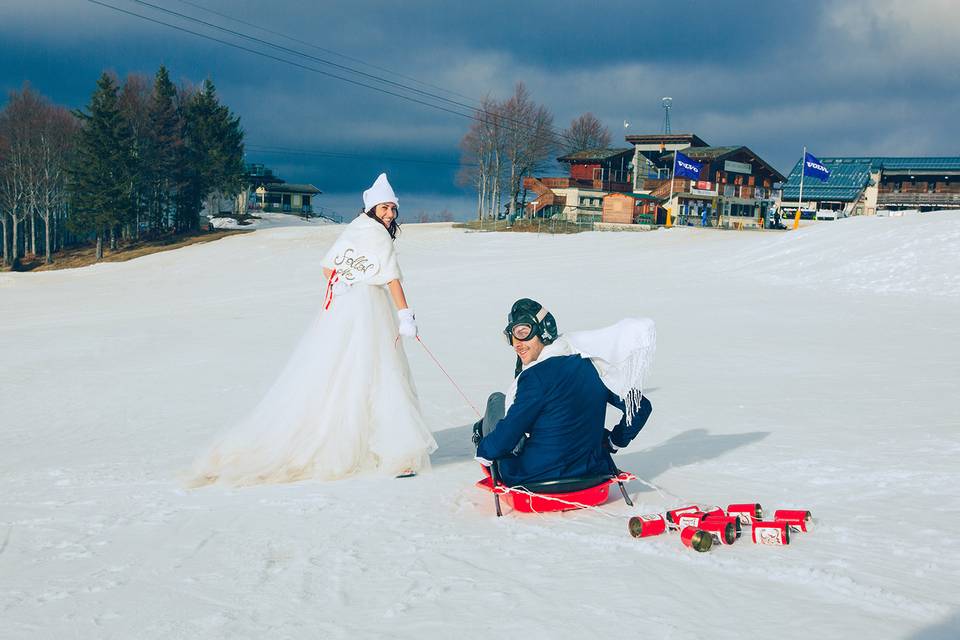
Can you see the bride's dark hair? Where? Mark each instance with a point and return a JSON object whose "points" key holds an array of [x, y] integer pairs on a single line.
{"points": [[393, 228]]}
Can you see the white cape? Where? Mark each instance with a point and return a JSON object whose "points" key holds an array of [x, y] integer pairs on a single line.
{"points": [[345, 401], [622, 354]]}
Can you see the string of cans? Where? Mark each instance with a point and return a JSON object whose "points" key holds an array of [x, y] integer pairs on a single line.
{"points": [[702, 528]]}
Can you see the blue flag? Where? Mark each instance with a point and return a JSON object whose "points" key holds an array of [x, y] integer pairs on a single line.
{"points": [[814, 168], [686, 168]]}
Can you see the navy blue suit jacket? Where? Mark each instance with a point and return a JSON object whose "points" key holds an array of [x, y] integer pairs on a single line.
{"points": [[561, 403]]}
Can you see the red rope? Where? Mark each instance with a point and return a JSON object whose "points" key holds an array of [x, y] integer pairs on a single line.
{"points": [[434, 358], [328, 297]]}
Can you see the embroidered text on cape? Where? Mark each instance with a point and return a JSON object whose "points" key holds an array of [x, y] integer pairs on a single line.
{"points": [[353, 267]]}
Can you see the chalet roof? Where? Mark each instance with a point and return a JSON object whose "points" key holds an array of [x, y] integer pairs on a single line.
{"points": [[594, 155], [635, 196], [917, 164], [715, 154], [290, 187], [900, 164], [848, 178], [667, 138], [707, 153]]}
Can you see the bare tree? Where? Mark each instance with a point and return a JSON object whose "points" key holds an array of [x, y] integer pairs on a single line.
{"points": [[10, 196], [55, 138], [586, 132], [35, 140], [530, 139], [471, 172], [17, 126], [507, 141], [482, 156]]}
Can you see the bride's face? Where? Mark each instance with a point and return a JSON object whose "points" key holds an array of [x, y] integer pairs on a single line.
{"points": [[386, 212]]}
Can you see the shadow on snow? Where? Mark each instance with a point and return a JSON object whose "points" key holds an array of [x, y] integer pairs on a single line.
{"points": [[689, 447]]}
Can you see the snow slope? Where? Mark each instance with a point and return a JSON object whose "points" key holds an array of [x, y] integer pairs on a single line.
{"points": [[814, 369], [268, 220]]}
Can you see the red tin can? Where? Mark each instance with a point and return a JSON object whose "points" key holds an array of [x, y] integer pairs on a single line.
{"points": [[649, 525], [696, 539], [724, 530], [798, 519], [674, 514], [691, 519], [772, 533], [746, 512], [714, 512]]}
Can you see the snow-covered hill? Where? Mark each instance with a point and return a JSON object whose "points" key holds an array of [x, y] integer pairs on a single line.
{"points": [[813, 369]]}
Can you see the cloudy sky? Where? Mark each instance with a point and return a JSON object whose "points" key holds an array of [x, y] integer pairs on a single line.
{"points": [[855, 77]]}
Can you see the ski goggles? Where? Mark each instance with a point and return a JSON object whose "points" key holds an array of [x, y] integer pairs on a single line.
{"points": [[522, 331], [524, 328]]}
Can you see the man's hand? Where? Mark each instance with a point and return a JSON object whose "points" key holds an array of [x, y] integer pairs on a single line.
{"points": [[608, 443], [477, 433]]}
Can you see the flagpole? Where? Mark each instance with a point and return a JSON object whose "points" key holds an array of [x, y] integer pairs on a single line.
{"points": [[803, 168], [673, 174]]}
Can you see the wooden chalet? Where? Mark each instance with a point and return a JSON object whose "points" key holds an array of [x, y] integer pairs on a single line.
{"points": [[266, 191], [736, 187], [592, 174]]}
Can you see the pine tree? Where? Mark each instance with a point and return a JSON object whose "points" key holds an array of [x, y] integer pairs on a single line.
{"points": [[134, 106], [163, 149], [213, 154], [100, 174]]}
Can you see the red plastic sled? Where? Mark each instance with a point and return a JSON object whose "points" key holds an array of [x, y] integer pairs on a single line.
{"points": [[543, 497]]}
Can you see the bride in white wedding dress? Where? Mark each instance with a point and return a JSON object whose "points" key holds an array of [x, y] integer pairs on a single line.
{"points": [[345, 402]]}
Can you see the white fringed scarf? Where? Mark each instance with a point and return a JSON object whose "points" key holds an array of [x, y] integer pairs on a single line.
{"points": [[622, 355]]}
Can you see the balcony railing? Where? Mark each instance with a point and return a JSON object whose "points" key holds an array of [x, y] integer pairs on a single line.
{"points": [[271, 207], [918, 198], [580, 183]]}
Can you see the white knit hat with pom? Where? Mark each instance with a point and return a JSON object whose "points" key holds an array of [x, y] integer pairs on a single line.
{"points": [[381, 191]]}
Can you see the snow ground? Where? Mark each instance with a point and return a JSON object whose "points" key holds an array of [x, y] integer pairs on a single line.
{"points": [[814, 369], [268, 220]]}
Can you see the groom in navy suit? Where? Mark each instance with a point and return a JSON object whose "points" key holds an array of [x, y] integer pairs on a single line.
{"points": [[554, 429]]}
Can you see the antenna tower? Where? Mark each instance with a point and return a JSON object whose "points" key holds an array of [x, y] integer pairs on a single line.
{"points": [[667, 105]]}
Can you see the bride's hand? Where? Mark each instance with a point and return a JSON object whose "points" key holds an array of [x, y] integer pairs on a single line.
{"points": [[408, 323]]}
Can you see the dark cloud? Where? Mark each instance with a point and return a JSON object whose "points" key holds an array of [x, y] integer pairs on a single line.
{"points": [[858, 77]]}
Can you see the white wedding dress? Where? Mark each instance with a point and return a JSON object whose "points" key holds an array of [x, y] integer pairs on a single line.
{"points": [[345, 402]]}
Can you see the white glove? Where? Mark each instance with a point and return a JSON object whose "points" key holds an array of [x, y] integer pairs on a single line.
{"points": [[408, 323], [341, 287]]}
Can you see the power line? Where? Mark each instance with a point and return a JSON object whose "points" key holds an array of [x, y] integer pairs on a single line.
{"points": [[555, 132], [335, 65], [279, 59], [343, 154], [319, 48], [519, 124]]}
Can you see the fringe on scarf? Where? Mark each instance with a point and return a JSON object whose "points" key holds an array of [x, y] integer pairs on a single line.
{"points": [[631, 372]]}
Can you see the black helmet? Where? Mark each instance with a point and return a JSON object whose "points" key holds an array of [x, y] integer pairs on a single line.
{"points": [[528, 319]]}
